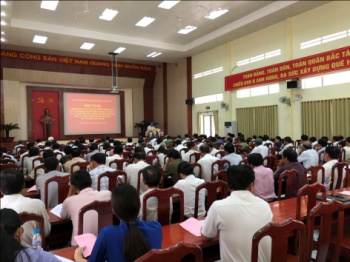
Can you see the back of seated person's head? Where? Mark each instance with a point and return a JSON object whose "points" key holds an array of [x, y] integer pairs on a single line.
{"points": [[99, 158], [81, 147], [347, 139], [178, 137], [229, 139], [213, 138], [229, 148], [30, 144], [265, 137], [322, 142], [258, 141], [48, 153], [77, 143], [126, 206], [34, 151], [3, 149], [174, 154], [11, 181], [10, 244], [191, 145], [81, 179], [333, 152], [129, 140], [195, 135], [185, 168], [118, 149], [163, 150], [177, 142], [140, 140], [67, 150], [342, 143], [288, 139], [93, 147], [56, 146], [38, 140], [325, 137], [139, 155], [255, 159], [312, 139], [117, 143], [210, 144], [204, 149], [152, 176], [51, 163], [336, 138], [111, 140], [304, 137], [82, 140], [76, 152], [91, 140], [290, 154], [245, 149], [106, 145], [143, 144], [159, 140], [240, 177], [48, 143]]}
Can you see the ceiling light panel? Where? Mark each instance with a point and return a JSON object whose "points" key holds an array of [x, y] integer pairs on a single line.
{"points": [[39, 39], [119, 50], [2, 39], [87, 46], [145, 21], [3, 22], [154, 54], [2, 32], [108, 14], [167, 4], [216, 13], [3, 3], [187, 29], [49, 5], [3, 13]]}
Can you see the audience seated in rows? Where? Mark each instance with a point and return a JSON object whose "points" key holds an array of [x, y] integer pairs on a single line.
{"points": [[97, 167], [260, 148], [133, 169], [75, 153], [117, 154]]}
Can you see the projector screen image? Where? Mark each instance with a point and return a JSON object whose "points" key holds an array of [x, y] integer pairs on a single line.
{"points": [[91, 114]]}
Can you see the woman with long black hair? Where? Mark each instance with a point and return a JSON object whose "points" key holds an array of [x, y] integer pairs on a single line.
{"points": [[129, 240]]}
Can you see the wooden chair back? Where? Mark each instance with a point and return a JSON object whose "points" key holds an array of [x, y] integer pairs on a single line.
{"points": [[173, 254], [215, 190], [280, 233], [7, 161], [183, 150], [81, 165], [268, 145], [237, 148], [325, 211], [25, 217], [104, 212], [7, 166], [128, 155], [194, 157], [119, 163], [222, 165], [221, 175], [163, 196], [41, 166], [113, 180], [62, 188], [269, 161], [273, 151], [152, 152], [243, 162], [58, 155], [315, 171], [150, 159], [220, 154], [342, 155], [36, 159], [139, 180], [5, 157], [196, 167], [342, 169], [321, 158], [287, 176], [311, 192]]}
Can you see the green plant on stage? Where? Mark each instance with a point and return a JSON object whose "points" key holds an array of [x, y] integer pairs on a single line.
{"points": [[8, 128]]}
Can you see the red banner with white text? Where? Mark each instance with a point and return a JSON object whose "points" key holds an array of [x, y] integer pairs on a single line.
{"points": [[334, 60]]}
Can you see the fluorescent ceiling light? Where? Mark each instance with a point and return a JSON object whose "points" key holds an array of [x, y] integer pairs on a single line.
{"points": [[119, 50], [187, 29], [39, 39], [243, 62], [3, 3], [167, 4], [151, 54], [2, 39], [216, 13], [49, 5], [310, 43], [154, 54], [108, 14], [87, 46], [145, 21], [332, 37], [3, 22], [3, 13], [2, 32]]}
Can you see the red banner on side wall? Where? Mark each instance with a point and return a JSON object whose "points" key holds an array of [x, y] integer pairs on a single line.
{"points": [[334, 60], [41, 101]]}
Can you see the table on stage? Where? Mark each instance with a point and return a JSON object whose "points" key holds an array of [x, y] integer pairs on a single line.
{"points": [[174, 233]]}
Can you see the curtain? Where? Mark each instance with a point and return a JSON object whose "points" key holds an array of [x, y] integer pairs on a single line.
{"points": [[216, 125], [341, 117], [199, 122]]}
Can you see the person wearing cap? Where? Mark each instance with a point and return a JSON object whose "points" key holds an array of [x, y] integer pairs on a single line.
{"points": [[260, 148]]}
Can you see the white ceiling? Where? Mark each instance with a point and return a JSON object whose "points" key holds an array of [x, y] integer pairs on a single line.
{"points": [[76, 22]]}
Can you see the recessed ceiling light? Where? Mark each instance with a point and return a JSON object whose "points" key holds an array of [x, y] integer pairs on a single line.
{"points": [[154, 54], [39, 39], [87, 46], [187, 29], [167, 4], [216, 13], [3, 13], [2, 39], [2, 32], [49, 5], [108, 14], [145, 21], [3, 22], [3, 3], [119, 50]]}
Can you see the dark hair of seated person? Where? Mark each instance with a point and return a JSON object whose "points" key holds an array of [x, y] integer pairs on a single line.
{"points": [[152, 176], [126, 205], [185, 168], [240, 177], [11, 181], [81, 179]]}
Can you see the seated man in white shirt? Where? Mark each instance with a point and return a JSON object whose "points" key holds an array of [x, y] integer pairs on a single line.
{"points": [[28, 164], [129, 142], [4, 153], [303, 139], [206, 162], [238, 217], [313, 142], [11, 185], [331, 155], [188, 184], [308, 157], [347, 150], [260, 148], [320, 147], [179, 146], [158, 143], [52, 167], [287, 143], [19, 145], [192, 149], [151, 178], [212, 149], [117, 154], [161, 154], [231, 155], [97, 167], [132, 170]]}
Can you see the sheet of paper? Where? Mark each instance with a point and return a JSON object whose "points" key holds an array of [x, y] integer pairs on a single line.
{"points": [[346, 193], [33, 188], [57, 210], [86, 240], [63, 259], [193, 226]]}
